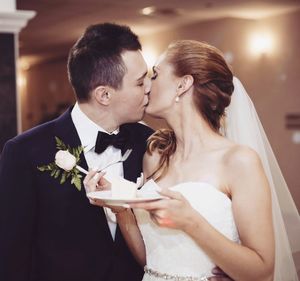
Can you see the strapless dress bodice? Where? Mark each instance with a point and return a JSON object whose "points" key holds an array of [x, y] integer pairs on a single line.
{"points": [[172, 252]]}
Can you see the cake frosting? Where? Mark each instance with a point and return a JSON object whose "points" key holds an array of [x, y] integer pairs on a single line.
{"points": [[122, 188]]}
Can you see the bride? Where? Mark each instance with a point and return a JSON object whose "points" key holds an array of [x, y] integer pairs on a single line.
{"points": [[220, 206]]}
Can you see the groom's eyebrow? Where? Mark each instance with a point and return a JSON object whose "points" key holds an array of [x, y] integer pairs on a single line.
{"points": [[143, 76]]}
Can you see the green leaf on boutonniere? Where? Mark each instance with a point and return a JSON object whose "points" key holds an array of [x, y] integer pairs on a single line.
{"points": [[65, 157], [57, 173], [60, 144], [63, 177]]}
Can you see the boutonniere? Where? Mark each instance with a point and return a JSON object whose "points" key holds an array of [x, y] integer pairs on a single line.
{"points": [[66, 163]]}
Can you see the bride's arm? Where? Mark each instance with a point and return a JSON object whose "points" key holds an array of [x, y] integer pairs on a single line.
{"points": [[132, 235], [251, 203]]}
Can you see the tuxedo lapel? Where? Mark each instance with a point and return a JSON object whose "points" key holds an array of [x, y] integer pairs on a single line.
{"points": [[66, 131], [132, 165]]}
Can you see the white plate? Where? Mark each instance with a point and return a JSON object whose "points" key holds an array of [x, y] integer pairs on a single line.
{"points": [[142, 196]]}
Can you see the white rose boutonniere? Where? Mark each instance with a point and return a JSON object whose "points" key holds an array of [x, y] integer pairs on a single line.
{"points": [[66, 164], [65, 160]]}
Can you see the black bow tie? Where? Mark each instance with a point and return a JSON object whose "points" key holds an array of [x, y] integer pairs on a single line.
{"points": [[120, 140]]}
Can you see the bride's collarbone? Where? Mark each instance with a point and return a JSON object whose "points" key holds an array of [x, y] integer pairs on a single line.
{"points": [[211, 174], [207, 168], [172, 179], [207, 158]]}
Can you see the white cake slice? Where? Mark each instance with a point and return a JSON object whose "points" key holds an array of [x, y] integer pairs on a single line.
{"points": [[122, 188]]}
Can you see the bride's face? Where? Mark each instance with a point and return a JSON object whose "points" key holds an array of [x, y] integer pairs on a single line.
{"points": [[163, 88]]}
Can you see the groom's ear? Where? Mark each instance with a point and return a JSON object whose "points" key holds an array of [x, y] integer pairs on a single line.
{"points": [[185, 84], [102, 95]]}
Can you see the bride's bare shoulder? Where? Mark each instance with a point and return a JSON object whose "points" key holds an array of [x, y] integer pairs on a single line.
{"points": [[244, 171], [241, 157]]}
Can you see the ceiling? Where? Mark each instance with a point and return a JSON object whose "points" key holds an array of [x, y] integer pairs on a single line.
{"points": [[59, 23]]}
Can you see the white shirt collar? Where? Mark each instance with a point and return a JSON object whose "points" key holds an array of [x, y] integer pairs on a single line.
{"points": [[86, 128]]}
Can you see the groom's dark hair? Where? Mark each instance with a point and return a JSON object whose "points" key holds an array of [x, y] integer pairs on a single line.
{"points": [[95, 59]]}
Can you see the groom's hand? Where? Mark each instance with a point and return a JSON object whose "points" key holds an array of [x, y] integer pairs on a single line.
{"points": [[95, 181], [220, 275]]}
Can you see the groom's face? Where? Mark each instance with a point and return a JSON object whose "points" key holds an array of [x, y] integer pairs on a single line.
{"points": [[130, 101]]}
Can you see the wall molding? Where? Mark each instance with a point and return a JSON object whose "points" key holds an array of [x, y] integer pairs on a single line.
{"points": [[14, 21]]}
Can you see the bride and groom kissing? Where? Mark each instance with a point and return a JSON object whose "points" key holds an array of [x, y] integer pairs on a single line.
{"points": [[216, 220]]}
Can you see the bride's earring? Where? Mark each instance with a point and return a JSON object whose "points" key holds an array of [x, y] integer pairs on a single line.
{"points": [[177, 98]]}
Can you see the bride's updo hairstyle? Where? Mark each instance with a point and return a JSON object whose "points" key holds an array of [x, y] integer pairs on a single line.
{"points": [[213, 87]]}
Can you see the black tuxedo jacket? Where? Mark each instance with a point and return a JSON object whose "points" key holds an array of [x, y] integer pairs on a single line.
{"points": [[50, 232]]}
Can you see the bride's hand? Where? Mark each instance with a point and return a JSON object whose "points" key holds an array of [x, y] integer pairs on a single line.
{"points": [[174, 211]]}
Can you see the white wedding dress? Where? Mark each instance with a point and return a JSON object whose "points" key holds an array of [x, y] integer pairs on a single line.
{"points": [[173, 255]]}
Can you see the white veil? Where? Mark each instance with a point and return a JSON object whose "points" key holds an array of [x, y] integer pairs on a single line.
{"points": [[243, 126]]}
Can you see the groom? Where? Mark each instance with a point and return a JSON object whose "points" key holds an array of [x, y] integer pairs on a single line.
{"points": [[49, 231]]}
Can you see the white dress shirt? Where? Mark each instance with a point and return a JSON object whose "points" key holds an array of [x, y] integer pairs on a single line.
{"points": [[88, 131]]}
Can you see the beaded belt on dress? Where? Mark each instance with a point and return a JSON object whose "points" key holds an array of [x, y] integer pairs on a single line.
{"points": [[166, 276]]}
